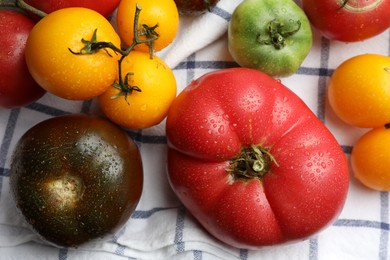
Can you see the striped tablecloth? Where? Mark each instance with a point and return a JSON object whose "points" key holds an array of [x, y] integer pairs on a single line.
{"points": [[161, 228]]}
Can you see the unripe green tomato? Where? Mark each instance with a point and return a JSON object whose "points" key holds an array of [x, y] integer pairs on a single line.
{"points": [[271, 36]]}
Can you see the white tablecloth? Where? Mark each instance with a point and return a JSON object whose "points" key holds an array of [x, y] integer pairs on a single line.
{"points": [[161, 228]]}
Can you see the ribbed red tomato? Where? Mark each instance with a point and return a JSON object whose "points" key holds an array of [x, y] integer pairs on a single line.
{"points": [[251, 161]]}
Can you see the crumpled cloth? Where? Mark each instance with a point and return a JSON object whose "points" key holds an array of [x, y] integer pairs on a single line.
{"points": [[160, 227]]}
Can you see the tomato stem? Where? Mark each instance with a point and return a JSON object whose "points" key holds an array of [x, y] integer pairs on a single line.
{"points": [[252, 162], [24, 6], [387, 126], [277, 33], [92, 46], [343, 4]]}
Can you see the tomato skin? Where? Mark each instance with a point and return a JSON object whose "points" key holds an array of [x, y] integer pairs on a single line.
{"points": [[163, 13], [370, 159], [222, 112], [358, 90], [104, 7], [149, 106], [17, 87], [250, 34], [356, 21], [76, 178], [63, 73]]}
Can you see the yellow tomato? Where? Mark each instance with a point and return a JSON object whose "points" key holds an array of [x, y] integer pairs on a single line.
{"points": [[359, 90], [148, 107], [370, 159], [162, 13], [67, 75]]}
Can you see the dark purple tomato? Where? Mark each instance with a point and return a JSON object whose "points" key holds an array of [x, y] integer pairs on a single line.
{"points": [[195, 7], [76, 178]]}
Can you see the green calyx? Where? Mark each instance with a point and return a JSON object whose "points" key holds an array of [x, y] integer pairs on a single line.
{"points": [[252, 162], [278, 32]]}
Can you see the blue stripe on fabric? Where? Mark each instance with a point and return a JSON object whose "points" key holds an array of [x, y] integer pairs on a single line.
{"points": [[384, 234], [9, 130], [346, 149], [147, 139], [190, 69], [221, 13], [179, 231], [205, 64], [244, 254], [5, 144], [198, 255], [63, 254], [144, 214], [48, 110], [313, 248], [361, 223], [86, 106], [322, 80]]}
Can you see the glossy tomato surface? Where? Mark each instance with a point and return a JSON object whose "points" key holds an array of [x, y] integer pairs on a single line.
{"points": [[53, 53], [251, 161], [156, 85], [370, 158], [348, 20], [358, 90], [271, 36], [104, 7], [76, 178], [195, 7], [17, 87]]}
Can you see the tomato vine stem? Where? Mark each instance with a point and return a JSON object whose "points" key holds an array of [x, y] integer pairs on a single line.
{"points": [[21, 4], [92, 46]]}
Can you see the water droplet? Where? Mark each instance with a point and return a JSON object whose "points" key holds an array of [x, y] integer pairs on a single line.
{"points": [[143, 107], [323, 165], [221, 129]]}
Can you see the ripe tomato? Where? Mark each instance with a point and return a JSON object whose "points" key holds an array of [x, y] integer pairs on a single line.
{"points": [[358, 90], [348, 20], [163, 13], [272, 36], [76, 178], [251, 161], [104, 7], [148, 107], [17, 87], [57, 69], [370, 159]]}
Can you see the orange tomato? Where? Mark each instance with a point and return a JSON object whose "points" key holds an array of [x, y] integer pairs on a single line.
{"points": [[148, 107], [163, 13], [359, 90], [56, 69], [370, 159]]}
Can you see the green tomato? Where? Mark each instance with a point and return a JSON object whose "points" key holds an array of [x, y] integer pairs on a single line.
{"points": [[273, 36]]}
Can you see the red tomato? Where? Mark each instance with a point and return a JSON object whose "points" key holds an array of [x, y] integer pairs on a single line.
{"points": [[17, 87], [251, 161], [348, 20], [104, 7]]}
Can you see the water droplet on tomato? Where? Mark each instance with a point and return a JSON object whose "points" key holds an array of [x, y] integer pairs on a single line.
{"points": [[221, 129], [143, 107]]}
